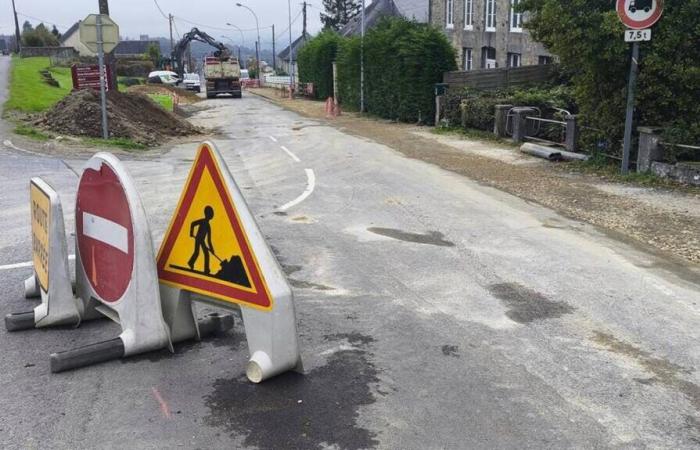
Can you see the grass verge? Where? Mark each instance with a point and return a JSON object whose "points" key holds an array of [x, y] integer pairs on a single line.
{"points": [[31, 132], [28, 91], [123, 143], [165, 101]]}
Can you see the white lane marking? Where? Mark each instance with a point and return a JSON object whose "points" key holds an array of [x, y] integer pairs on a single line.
{"points": [[25, 264], [311, 183], [273, 138], [104, 230], [291, 155]]}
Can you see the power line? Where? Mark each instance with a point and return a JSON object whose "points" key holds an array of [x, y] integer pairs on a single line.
{"points": [[165, 16], [218, 28], [41, 20], [286, 29]]}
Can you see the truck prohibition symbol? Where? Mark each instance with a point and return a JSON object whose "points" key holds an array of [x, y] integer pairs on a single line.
{"points": [[636, 5]]}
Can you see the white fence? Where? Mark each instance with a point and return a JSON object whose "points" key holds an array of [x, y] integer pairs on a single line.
{"points": [[275, 81]]}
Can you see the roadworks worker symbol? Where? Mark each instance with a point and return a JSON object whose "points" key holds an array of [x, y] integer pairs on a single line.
{"points": [[206, 249]]}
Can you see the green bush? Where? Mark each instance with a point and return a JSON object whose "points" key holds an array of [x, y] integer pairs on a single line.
{"points": [[479, 106], [315, 61], [403, 61], [348, 59], [134, 68], [586, 35]]}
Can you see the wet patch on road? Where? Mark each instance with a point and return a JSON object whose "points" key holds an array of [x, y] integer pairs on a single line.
{"points": [[430, 238], [527, 305], [664, 371], [312, 411], [450, 350]]}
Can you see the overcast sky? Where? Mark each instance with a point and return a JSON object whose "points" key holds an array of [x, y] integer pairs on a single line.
{"points": [[136, 17]]}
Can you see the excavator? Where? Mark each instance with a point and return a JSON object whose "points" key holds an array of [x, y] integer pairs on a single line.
{"points": [[222, 71]]}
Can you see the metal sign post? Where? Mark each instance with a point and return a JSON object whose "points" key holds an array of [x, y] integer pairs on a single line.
{"points": [[638, 16], [100, 34], [631, 86], [101, 63]]}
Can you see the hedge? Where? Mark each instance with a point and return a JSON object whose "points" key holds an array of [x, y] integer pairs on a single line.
{"points": [[403, 61], [315, 61]]}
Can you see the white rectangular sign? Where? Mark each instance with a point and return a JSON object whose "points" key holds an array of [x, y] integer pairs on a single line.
{"points": [[104, 230], [638, 35]]}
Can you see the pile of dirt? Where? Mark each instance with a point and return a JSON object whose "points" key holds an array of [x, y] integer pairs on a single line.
{"points": [[131, 115], [183, 95]]}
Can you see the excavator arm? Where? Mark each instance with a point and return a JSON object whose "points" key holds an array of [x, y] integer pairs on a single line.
{"points": [[195, 35]]}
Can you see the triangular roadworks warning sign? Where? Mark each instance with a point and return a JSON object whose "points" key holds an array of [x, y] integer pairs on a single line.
{"points": [[206, 249]]}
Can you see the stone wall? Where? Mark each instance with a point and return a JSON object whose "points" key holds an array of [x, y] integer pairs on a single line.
{"points": [[57, 52], [503, 39]]}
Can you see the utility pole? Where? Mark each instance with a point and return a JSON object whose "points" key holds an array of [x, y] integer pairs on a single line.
{"points": [[172, 43], [274, 55], [362, 61], [104, 7], [303, 30], [291, 53], [18, 37]]}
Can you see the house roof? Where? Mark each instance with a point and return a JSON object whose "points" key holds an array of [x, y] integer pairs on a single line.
{"points": [[410, 9], [69, 32], [296, 45], [133, 47]]}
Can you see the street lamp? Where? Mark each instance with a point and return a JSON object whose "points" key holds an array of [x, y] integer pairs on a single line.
{"points": [[257, 43], [239, 30]]}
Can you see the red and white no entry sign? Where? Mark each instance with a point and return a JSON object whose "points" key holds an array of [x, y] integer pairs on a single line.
{"points": [[105, 232], [639, 14]]}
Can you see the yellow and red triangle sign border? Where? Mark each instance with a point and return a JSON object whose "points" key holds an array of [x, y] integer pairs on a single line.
{"points": [[258, 297]]}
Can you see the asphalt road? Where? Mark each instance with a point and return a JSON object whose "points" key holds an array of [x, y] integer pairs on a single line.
{"points": [[433, 313]]}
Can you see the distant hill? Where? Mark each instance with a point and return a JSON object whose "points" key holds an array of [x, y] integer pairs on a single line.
{"points": [[200, 50]]}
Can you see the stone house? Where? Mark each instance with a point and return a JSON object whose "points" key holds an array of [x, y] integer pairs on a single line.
{"points": [[283, 57], [487, 33]]}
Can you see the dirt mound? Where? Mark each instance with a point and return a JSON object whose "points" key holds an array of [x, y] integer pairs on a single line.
{"points": [[183, 95], [131, 115]]}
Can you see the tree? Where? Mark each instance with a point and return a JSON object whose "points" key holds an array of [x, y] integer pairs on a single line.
{"points": [[38, 37], [153, 54], [339, 12], [586, 35], [55, 32], [27, 27]]}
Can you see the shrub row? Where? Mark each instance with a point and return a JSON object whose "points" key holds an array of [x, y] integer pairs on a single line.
{"points": [[403, 61]]}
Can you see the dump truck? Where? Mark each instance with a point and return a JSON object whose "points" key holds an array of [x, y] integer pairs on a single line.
{"points": [[222, 75], [222, 72]]}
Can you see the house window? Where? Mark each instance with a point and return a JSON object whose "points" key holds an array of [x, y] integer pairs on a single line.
{"points": [[490, 17], [467, 58], [514, 59], [468, 14], [542, 60], [516, 18], [449, 13], [488, 58]]}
